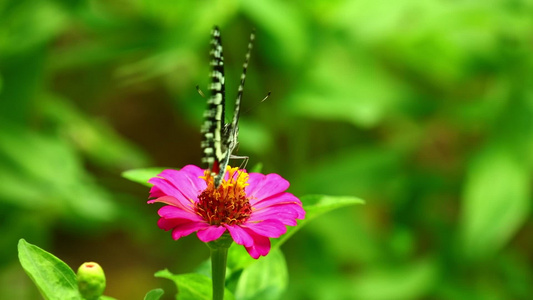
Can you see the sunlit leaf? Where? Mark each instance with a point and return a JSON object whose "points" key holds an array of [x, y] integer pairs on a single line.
{"points": [[52, 276], [154, 294], [256, 168], [93, 137], [142, 175], [314, 206], [496, 201], [265, 280], [42, 171], [283, 22], [375, 168], [406, 282], [361, 95], [29, 25]]}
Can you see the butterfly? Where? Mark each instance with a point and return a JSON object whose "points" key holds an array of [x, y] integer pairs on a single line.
{"points": [[221, 138]]}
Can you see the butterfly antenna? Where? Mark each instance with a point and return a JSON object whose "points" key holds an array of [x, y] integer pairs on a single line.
{"points": [[263, 100], [266, 97], [243, 78], [200, 91]]}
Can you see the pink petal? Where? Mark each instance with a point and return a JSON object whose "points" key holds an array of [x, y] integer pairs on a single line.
{"points": [[260, 247], [173, 201], [276, 199], [187, 180], [167, 224], [285, 208], [156, 192], [286, 215], [194, 172], [187, 228], [167, 188], [239, 235], [172, 212], [268, 228], [211, 233], [253, 252], [262, 186]]}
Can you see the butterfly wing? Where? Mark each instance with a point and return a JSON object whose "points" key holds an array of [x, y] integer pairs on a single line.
{"points": [[220, 139], [212, 129]]}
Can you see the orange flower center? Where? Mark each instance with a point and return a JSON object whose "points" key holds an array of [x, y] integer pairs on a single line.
{"points": [[226, 204]]}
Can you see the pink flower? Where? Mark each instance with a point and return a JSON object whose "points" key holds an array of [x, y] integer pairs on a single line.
{"points": [[251, 207]]}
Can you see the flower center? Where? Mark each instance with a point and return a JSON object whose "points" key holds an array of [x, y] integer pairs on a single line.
{"points": [[226, 204]]}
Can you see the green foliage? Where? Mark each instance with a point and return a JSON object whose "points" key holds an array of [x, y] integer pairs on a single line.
{"points": [[496, 202], [52, 276], [154, 294], [265, 279], [423, 108], [142, 175]]}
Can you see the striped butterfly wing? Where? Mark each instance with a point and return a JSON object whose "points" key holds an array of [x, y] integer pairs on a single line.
{"points": [[214, 115], [220, 138]]}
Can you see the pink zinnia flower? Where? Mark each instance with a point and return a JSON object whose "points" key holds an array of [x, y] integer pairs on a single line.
{"points": [[251, 207]]}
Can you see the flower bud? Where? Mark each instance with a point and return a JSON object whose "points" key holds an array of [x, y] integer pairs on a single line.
{"points": [[91, 281]]}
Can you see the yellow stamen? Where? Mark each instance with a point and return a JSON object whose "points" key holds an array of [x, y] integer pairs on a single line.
{"points": [[228, 203]]}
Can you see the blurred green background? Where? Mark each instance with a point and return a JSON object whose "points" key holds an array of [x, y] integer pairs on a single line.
{"points": [[422, 108]]}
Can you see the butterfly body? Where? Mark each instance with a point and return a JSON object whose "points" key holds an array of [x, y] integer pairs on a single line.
{"points": [[220, 138]]}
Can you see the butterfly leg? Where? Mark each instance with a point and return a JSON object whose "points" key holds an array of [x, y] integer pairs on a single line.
{"points": [[244, 162]]}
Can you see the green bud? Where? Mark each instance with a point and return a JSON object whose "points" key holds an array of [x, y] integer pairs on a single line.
{"points": [[91, 281]]}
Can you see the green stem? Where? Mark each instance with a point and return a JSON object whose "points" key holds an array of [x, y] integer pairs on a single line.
{"points": [[219, 257]]}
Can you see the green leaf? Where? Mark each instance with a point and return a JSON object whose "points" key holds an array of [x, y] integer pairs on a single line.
{"points": [[409, 281], [95, 138], [42, 172], [283, 23], [142, 175], [495, 201], [192, 286], [314, 206], [52, 276], [154, 294], [30, 25], [362, 95], [266, 279], [375, 167]]}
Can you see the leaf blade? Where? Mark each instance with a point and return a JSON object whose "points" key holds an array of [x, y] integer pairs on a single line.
{"points": [[53, 278], [314, 206], [154, 294], [495, 202], [142, 175], [267, 279]]}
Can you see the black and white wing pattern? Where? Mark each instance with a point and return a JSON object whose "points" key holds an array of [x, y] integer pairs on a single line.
{"points": [[220, 138]]}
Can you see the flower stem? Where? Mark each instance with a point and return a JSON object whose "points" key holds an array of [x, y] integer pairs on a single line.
{"points": [[219, 257]]}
